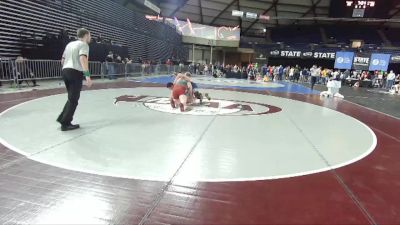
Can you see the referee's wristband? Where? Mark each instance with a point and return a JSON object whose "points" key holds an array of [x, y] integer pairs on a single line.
{"points": [[86, 73]]}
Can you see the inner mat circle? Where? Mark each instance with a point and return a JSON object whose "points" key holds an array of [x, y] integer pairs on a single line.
{"points": [[122, 137]]}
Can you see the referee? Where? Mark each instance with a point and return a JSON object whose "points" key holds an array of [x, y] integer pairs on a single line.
{"points": [[75, 62]]}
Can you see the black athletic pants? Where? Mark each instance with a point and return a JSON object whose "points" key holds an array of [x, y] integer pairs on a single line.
{"points": [[73, 82], [313, 81]]}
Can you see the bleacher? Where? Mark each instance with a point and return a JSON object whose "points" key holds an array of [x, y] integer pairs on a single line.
{"points": [[296, 35], [345, 34], [301, 36], [120, 16], [393, 36], [23, 23]]}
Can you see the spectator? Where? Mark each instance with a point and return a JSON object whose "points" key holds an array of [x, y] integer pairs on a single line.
{"points": [[264, 69], [99, 39], [181, 66], [297, 73], [280, 72], [276, 73], [23, 72], [304, 75], [291, 74], [128, 60], [397, 89], [118, 59], [355, 74], [347, 74], [390, 80], [271, 72], [286, 72], [110, 64], [197, 68], [363, 75], [324, 75], [64, 36], [315, 73], [143, 67], [169, 65], [205, 69]]}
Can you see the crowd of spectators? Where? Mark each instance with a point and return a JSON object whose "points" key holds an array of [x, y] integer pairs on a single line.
{"points": [[316, 75], [319, 75], [354, 78]]}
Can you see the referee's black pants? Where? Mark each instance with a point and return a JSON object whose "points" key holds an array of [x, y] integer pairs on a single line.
{"points": [[73, 82]]}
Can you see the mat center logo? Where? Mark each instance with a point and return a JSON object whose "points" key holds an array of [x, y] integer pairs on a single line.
{"points": [[208, 108]]}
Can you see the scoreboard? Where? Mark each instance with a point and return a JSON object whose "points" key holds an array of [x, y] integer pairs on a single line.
{"points": [[360, 4], [361, 8]]}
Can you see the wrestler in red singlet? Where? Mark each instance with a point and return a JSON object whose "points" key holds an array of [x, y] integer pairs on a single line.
{"points": [[179, 89], [179, 94]]}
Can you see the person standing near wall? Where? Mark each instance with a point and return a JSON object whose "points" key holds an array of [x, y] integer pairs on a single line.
{"points": [[315, 73], [75, 61], [390, 80], [110, 64], [280, 72]]}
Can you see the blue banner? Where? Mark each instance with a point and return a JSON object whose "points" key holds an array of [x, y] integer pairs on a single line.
{"points": [[344, 60], [379, 62]]}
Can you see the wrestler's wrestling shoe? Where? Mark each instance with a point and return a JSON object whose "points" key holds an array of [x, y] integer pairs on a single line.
{"points": [[182, 107], [172, 103], [199, 96], [208, 97]]}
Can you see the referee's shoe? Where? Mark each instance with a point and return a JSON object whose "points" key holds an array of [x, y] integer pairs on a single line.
{"points": [[68, 127]]}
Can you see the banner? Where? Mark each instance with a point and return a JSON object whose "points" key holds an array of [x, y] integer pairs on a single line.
{"points": [[361, 61], [395, 59], [379, 62], [196, 30], [324, 55], [290, 54], [274, 53], [344, 60], [301, 54]]}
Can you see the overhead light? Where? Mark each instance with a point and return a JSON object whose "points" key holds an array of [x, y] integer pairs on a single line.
{"points": [[237, 13], [251, 15], [265, 30], [264, 17]]}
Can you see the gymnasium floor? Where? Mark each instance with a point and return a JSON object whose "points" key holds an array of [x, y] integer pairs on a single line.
{"points": [[271, 153]]}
